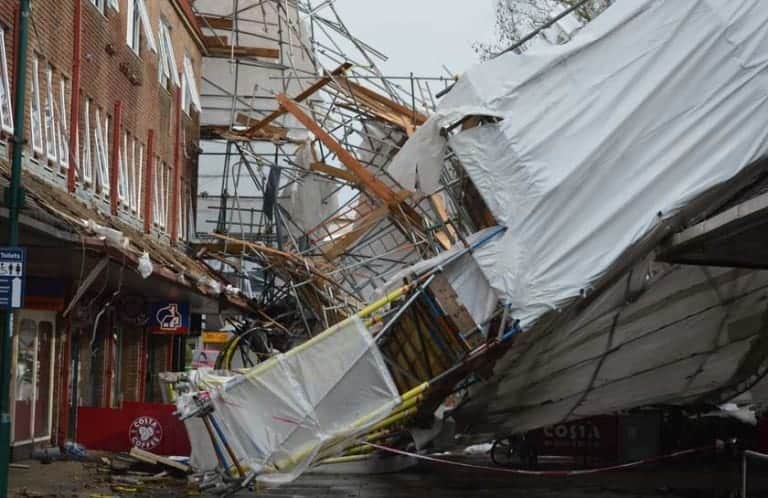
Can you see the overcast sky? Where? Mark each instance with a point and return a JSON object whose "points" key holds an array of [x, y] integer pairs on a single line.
{"points": [[420, 35]]}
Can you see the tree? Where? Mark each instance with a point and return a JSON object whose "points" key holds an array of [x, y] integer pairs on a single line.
{"points": [[515, 19]]}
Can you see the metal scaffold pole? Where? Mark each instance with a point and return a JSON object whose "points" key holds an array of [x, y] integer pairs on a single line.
{"points": [[13, 197]]}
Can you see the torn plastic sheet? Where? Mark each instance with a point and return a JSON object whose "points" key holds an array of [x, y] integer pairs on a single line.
{"points": [[145, 265], [602, 140], [296, 408]]}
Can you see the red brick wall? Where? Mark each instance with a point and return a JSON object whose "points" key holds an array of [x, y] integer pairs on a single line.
{"points": [[106, 64]]}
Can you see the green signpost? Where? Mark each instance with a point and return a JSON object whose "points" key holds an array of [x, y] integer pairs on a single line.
{"points": [[13, 198]]}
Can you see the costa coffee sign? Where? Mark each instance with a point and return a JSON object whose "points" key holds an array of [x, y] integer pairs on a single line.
{"points": [[145, 433]]}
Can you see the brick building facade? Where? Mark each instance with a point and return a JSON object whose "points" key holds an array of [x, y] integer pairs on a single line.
{"points": [[109, 171]]}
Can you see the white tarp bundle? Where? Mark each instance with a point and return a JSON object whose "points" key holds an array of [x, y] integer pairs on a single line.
{"points": [[602, 139], [280, 414]]}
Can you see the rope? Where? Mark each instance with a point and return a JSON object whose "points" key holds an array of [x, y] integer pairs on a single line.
{"points": [[546, 473]]}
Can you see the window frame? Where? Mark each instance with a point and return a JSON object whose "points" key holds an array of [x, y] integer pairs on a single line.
{"points": [[36, 116], [133, 27], [86, 158], [49, 118], [63, 125], [6, 107]]}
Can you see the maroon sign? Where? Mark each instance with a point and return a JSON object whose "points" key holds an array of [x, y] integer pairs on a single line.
{"points": [[148, 426], [595, 436], [145, 433]]}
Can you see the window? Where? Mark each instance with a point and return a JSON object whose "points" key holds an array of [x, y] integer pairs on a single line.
{"points": [[136, 173], [133, 33], [182, 214], [161, 194], [189, 95], [63, 125], [86, 164], [6, 114], [115, 4], [124, 180], [101, 152], [51, 150], [167, 64], [138, 19], [35, 121], [99, 4]]}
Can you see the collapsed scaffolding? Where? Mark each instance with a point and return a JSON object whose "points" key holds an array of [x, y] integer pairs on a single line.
{"points": [[295, 203], [297, 207]]}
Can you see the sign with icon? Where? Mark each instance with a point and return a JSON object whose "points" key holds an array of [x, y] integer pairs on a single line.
{"points": [[13, 268], [170, 318]]}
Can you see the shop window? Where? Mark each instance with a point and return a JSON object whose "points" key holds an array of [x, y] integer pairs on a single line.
{"points": [[35, 121], [33, 380], [49, 118], [63, 124], [6, 114]]}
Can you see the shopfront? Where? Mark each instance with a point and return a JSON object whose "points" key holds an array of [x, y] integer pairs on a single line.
{"points": [[32, 377]]}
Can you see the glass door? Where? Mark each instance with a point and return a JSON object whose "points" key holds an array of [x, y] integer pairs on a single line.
{"points": [[34, 346]]}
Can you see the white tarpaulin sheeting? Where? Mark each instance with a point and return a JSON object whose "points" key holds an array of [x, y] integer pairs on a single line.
{"points": [[280, 414], [600, 140]]}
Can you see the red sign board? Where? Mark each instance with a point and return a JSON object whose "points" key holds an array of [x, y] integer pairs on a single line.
{"points": [[148, 426], [596, 436]]}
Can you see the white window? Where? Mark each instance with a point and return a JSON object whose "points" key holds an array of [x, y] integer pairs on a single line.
{"points": [[136, 174], [182, 214], [6, 114], [138, 19], [189, 95], [133, 33], [86, 164], [51, 150], [167, 65], [100, 4], [123, 180], [36, 120], [101, 152], [160, 194], [63, 125], [115, 4]]}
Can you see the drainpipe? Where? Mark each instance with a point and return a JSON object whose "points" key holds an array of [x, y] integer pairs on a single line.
{"points": [[13, 198], [74, 113]]}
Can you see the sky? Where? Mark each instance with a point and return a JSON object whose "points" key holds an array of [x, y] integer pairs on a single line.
{"points": [[420, 35]]}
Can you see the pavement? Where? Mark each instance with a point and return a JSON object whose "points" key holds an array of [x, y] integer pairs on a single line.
{"points": [[705, 480]]}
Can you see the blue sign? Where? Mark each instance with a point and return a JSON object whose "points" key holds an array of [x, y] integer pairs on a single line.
{"points": [[13, 268], [169, 318]]}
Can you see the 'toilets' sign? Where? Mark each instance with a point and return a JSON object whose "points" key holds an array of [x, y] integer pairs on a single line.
{"points": [[13, 268], [170, 318]]}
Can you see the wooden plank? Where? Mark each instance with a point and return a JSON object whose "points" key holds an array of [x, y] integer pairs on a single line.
{"points": [[370, 182], [215, 41], [416, 117], [341, 244], [215, 22], [339, 173], [151, 458], [226, 51], [311, 90], [448, 300]]}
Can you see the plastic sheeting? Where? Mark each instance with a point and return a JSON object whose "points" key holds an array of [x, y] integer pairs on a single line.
{"points": [[603, 139], [297, 407]]}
